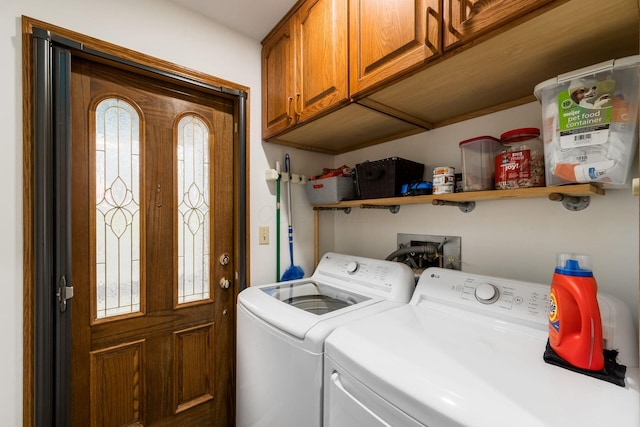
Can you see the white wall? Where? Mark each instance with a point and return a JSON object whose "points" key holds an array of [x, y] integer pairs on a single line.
{"points": [[263, 257]]}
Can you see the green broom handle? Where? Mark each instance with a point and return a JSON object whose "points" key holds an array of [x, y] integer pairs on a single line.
{"points": [[278, 223]]}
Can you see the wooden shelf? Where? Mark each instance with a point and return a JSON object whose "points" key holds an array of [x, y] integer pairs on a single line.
{"points": [[578, 190]]}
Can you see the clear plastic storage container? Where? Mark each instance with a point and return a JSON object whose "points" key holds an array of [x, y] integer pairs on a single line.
{"points": [[590, 123], [478, 162]]}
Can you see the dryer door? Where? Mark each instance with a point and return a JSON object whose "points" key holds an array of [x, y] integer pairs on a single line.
{"points": [[348, 403]]}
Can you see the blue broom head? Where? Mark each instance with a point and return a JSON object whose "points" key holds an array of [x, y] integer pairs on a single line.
{"points": [[294, 272]]}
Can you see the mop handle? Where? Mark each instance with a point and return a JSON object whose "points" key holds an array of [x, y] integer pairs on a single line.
{"points": [[287, 165], [278, 223], [287, 169]]}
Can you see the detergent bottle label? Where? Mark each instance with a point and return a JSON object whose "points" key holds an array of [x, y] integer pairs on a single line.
{"points": [[585, 114], [554, 321]]}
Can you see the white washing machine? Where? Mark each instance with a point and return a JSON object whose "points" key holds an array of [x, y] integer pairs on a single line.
{"points": [[282, 327], [468, 351]]}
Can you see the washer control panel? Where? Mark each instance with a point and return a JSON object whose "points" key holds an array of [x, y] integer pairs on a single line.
{"points": [[393, 281], [492, 295]]}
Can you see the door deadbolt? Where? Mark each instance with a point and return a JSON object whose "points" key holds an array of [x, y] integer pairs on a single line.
{"points": [[225, 259], [225, 283]]}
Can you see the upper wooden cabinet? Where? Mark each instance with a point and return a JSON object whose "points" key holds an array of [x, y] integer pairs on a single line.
{"points": [[390, 37], [304, 65], [278, 81], [496, 52], [466, 19]]}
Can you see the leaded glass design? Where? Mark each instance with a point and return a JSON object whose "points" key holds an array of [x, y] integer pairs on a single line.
{"points": [[117, 210], [193, 209]]}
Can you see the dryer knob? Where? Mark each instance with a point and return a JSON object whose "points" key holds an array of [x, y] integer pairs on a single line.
{"points": [[486, 293], [352, 267]]}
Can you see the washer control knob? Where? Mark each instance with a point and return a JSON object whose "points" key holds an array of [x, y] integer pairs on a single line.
{"points": [[352, 267], [487, 293]]}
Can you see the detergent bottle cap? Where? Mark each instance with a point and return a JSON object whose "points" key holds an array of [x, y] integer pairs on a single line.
{"points": [[574, 265]]}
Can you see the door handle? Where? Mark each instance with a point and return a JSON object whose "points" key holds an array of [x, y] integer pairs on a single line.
{"points": [[225, 283]]}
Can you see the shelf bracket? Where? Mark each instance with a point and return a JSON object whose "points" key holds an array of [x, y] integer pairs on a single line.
{"points": [[465, 207], [572, 203], [394, 209], [346, 210]]}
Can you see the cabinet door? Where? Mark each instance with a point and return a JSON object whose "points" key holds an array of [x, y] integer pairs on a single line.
{"points": [[388, 38], [278, 81], [321, 57], [466, 19]]}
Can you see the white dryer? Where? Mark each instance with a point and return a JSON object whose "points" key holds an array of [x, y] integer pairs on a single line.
{"points": [[468, 351], [282, 328]]}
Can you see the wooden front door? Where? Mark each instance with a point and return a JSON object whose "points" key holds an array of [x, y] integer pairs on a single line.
{"points": [[152, 202]]}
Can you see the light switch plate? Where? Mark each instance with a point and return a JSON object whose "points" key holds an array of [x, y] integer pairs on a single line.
{"points": [[263, 235]]}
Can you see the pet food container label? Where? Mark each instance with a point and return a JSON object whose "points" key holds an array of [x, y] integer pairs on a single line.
{"points": [[585, 113]]}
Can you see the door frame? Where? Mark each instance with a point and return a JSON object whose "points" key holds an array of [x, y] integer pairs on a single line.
{"points": [[41, 376]]}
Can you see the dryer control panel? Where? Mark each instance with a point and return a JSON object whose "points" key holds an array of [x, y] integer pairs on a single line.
{"points": [[518, 302], [497, 297]]}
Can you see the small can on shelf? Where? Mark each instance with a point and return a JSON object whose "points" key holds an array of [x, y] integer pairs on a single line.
{"points": [[444, 180], [521, 162]]}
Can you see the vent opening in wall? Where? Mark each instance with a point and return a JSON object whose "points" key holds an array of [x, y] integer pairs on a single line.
{"points": [[421, 251]]}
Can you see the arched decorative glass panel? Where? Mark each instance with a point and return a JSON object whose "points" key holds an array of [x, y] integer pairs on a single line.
{"points": [[193, 209], [117, 210]]}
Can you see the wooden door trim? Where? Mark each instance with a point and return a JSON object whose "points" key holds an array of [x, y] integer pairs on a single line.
{"points": [[110, 54]]}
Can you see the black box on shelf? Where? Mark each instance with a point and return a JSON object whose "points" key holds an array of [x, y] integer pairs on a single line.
{"points": [[384, 178]]}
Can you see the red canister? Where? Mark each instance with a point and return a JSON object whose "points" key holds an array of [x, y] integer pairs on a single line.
{"points": [[520, 164]]}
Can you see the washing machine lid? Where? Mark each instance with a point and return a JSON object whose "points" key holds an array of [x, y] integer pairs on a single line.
{"points": [[295, 307], [313, 297], [340, 285], [448, 367]]}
